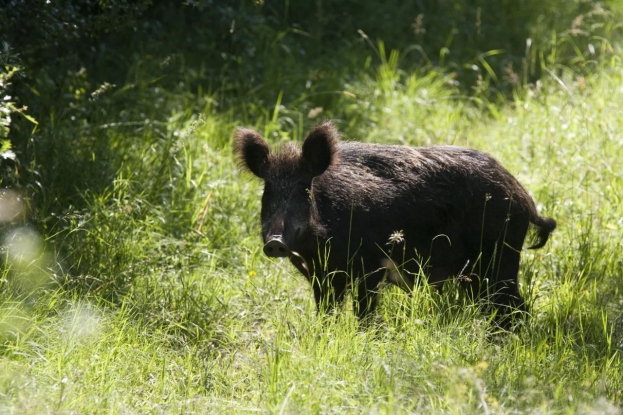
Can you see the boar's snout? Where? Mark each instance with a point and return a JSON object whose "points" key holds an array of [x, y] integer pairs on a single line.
{"points": [[276, 248]]}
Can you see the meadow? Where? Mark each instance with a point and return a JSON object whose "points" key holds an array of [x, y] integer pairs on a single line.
{"points": [[133, 278]]}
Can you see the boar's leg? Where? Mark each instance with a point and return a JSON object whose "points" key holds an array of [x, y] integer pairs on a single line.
{"points": [[317, 281], [437, 277], [329, 290], [399, 276], [504, 290], [498, 284], [367, 294]]}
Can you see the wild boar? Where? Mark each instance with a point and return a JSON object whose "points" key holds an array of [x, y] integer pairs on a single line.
{"points": [[349, 214]]}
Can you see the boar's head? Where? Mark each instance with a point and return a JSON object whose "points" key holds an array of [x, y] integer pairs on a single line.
{"points": [[289, 212]]}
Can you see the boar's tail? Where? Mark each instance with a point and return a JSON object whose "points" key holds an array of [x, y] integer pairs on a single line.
{"points": [[545, 226]]}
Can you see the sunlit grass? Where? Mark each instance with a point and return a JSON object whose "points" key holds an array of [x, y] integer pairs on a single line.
{"points": [[200, 319]]}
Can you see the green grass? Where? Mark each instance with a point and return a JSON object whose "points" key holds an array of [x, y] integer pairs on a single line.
{"points": [[148, 292], [202, 321]]}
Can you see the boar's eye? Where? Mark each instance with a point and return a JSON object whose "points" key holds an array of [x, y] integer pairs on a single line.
{"points": [[268, 191], [268, 200]]}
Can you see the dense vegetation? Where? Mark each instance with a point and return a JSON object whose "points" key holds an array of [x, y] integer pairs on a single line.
{"points": [[132, 278]]}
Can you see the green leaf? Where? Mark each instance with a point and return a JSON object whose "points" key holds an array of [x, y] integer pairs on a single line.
{"points": [[29, 118]]}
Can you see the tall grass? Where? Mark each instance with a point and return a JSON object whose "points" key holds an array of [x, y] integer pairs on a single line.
{"points": [[148, 291]]}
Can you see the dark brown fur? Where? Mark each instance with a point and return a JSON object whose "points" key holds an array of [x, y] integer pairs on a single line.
{"points": [[334, 206]]}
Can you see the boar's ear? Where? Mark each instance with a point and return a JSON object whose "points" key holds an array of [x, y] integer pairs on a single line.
{"points": [[252, 151], [320, 148]]}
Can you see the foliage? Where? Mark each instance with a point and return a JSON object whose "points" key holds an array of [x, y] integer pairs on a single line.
{"points": [[38, 24], [8, 69]]}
